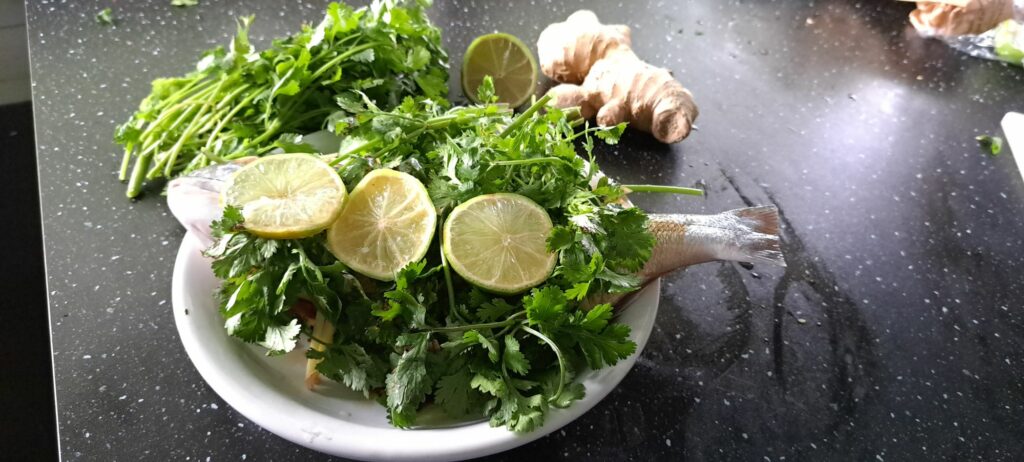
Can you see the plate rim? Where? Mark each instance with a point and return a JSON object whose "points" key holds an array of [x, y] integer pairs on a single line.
{"points": [[499, 439]]}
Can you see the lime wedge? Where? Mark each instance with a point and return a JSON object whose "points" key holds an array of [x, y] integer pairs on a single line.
{"points": [[498, 242], [387, 223], [286, 196], [507, 60]]}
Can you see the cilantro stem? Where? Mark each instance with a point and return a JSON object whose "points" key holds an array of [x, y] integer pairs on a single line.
{"points": [[535, 160], [558, 354], [231, 114], [139, 173], [514, 318], [190, 130], [521, 118], [269, 133], [342, 155], [142, 161], [337, 59], [653, 188], [448, 278], [311, 337], [309, 115]]}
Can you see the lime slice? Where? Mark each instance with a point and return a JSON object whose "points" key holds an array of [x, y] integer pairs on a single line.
{"points": [[387, 223], [498, 242], [507, 60], [286, 196]]}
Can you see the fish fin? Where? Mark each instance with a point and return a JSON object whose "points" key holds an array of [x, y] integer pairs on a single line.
{"points": [[762, 219], [763, 244]]}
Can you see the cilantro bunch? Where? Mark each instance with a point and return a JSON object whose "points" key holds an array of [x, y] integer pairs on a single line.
{"points": [[430, 337], [238, 101]]}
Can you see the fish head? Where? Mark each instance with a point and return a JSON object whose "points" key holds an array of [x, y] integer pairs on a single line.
{"points": [[195, 199]]}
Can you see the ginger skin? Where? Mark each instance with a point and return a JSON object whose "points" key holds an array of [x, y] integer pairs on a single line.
{"points": [[936, 17], [601, 74]]}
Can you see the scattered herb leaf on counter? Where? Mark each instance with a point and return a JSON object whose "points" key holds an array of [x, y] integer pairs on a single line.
{"points": [[239, 101], [184, 3], [105, 17], [993, 145]]}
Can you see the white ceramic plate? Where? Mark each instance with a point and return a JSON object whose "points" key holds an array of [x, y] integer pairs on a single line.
{"points": [[270, 391]]}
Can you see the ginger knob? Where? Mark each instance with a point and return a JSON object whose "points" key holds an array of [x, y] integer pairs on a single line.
{"points": [[601, 74]]}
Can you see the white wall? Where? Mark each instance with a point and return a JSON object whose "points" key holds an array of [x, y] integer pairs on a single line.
{"points": [[14, 82]]}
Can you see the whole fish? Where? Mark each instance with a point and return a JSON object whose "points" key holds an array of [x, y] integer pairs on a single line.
{"points": [[747, 235]]}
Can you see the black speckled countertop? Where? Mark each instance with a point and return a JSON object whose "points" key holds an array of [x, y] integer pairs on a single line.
{"points": [[896, 332]]}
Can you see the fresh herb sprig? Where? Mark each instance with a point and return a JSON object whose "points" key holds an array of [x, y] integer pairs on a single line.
{"points": [[239, 101]]}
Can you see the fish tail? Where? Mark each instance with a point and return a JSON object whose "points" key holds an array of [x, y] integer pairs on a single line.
{"points": [[762, 244]]}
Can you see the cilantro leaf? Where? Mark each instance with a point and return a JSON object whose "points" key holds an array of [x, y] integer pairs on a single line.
{"points": [[473, 337], [106, 18], [489, 382], [612, 134], [546, 305], [561, 238], [408, 384], [578, 291], [454, 393], [408, 298], [494, 310], [485, 93], [602, 343], [570, 393], [349, 364], [513, 358], [281, 339], [627, 244], [992, 144], [508, 406]]}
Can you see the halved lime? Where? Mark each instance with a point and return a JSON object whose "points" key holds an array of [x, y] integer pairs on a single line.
{"points": [[387, 223], [507, 60], [286, 196], [498, 242]]}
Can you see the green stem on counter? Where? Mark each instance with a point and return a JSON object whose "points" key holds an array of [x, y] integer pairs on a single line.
{"points": [[653, 188]]}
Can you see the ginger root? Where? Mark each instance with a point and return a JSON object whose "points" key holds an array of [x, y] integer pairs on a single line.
{"points": [[959, 17], [601, 74]]}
